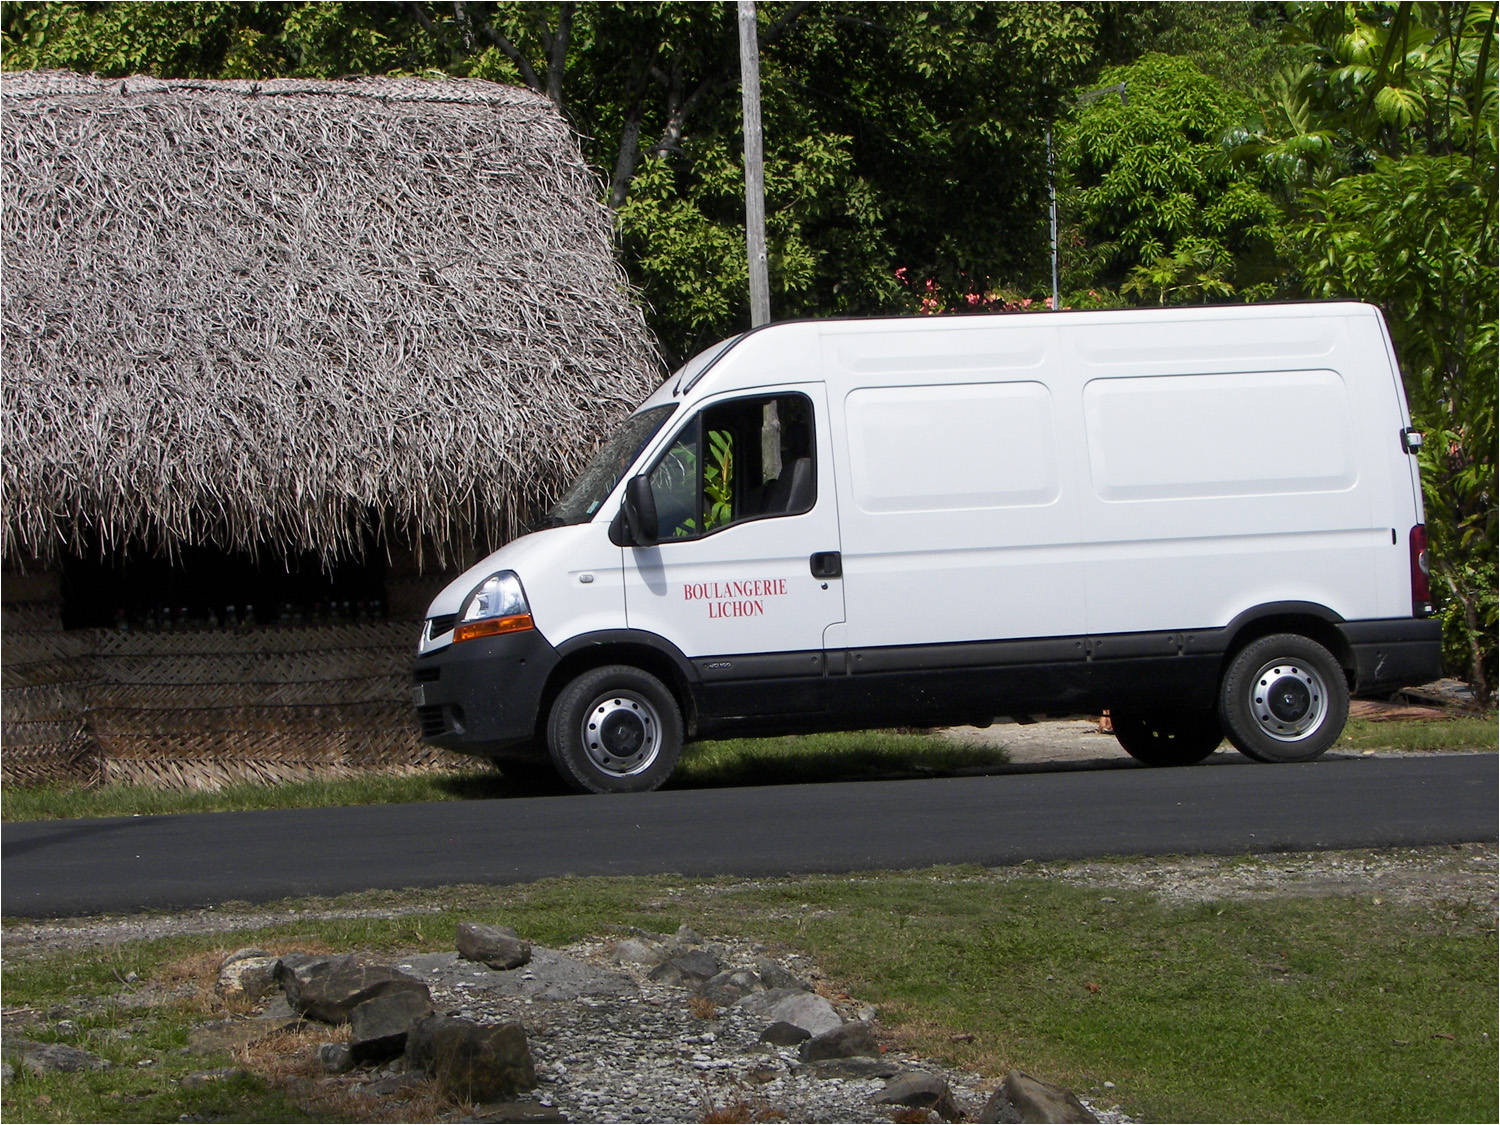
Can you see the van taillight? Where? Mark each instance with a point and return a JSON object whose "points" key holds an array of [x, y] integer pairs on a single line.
{"points": [[1421, 569]]}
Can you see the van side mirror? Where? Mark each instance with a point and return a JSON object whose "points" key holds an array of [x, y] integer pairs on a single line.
{"points": [[639, 511]]}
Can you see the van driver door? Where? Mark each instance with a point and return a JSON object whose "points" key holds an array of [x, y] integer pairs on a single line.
{"points": [[746, 575]]}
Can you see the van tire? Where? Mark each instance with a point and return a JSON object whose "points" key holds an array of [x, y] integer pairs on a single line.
{"points": [[1167, 738], [615, 729], [1307, 712]]}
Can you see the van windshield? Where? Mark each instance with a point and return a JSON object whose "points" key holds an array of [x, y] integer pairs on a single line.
{"points": [[598, 480]]}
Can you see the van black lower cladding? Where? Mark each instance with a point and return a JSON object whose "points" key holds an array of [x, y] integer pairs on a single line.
{"points": [[484, 695]]}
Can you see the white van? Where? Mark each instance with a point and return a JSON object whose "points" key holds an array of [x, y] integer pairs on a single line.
{"points": [[1206, 520]]}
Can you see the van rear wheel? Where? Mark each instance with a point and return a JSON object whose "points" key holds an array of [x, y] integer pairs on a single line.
{"points": [[615, 729], [1167, 738], [1284, 699]]}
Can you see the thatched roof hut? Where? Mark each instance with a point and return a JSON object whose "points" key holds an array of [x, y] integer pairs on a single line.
{"points": [[263, 315], [246, 325]]}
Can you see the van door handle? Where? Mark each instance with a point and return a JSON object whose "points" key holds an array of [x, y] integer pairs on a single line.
{"points": [[827, 564]]}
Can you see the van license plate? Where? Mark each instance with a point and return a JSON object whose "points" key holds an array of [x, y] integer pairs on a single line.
{"points": [[419, 695]]}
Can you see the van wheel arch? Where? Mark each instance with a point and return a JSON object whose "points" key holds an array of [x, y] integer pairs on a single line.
{"points": [[589, 656], [1314, 622]]}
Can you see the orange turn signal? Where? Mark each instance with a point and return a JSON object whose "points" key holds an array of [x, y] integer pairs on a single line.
{"points": [[493, 626]]}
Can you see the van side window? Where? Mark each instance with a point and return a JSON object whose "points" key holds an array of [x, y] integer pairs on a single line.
{"points": [[752, 458]]}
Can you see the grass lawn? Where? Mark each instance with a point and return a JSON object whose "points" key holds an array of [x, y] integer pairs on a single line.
{"points": [[1478, 733], [1264, 1008], [744, 761]]}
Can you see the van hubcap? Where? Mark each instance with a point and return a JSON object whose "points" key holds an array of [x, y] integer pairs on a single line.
{"points": [[622, 733], [1289, 700]]}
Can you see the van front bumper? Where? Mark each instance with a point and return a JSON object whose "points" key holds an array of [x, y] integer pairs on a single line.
{"points": [[1394, 653], [483, 696]]}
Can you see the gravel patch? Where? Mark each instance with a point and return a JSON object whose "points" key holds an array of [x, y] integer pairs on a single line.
{"points": [[614, 1046], [1455, 875], [39, 938]]}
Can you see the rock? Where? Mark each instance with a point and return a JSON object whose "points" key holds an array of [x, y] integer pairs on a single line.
{"points": [[859, 1067], [244, 954], [843, 1042], [732, 984], [686, 969], [378, 1026], [550, 976], [335, 1058], [200, 1078], [233, 1035], [277, 1009], [806, 1010], [637, 951], [471, 1062], [250, 976], [328, 990], [291, 962], [919, 1090], [52, 1058], [648, 935], [7, 1072], [783, 1034], [390, 1084], [686, 935], [495, 946], [1022, 1098], [773, 975]]}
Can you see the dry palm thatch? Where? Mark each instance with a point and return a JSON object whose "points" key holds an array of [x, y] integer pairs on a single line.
{"points": [[268, 314]]}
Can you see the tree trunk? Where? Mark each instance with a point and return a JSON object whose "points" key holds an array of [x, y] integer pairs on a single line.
{"points": [[630, 147]]}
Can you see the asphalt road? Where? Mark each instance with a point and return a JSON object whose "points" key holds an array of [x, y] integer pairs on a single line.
{"points": [[60, 868]]}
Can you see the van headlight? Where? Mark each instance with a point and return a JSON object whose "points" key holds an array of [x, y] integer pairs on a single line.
{"points": [[497, 605]]}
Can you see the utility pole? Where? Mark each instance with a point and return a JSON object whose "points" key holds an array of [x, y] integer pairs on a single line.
{"points": [[755, 174], [1052, 207]]}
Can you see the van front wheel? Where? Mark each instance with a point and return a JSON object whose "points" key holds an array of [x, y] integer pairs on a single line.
{"points": [[1167, 738], [615, 729], [1284, 699]]}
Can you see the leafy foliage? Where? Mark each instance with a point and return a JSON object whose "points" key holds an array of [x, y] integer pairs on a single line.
{"points": [[1390, 132], [1157, 211]]}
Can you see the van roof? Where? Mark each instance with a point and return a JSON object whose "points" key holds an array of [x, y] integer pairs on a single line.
{"points": [[691, 373]]}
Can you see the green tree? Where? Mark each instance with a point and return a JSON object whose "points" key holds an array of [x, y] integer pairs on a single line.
{"points": [[1156, 211], [1388, 135]]}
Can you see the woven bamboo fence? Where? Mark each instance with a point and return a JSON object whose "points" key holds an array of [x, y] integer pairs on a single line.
{"points": [[203, 709]]}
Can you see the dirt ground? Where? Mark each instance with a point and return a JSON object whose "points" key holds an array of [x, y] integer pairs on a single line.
{"points": [[1081, 744]]}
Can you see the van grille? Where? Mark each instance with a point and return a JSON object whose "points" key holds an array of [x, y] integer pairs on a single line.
{"points": [[443, 623], [430, 718], [428, 675]]}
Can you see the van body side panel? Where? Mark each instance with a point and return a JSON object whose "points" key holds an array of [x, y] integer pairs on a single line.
{"points": [[956, 485], [1226, 468]]}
